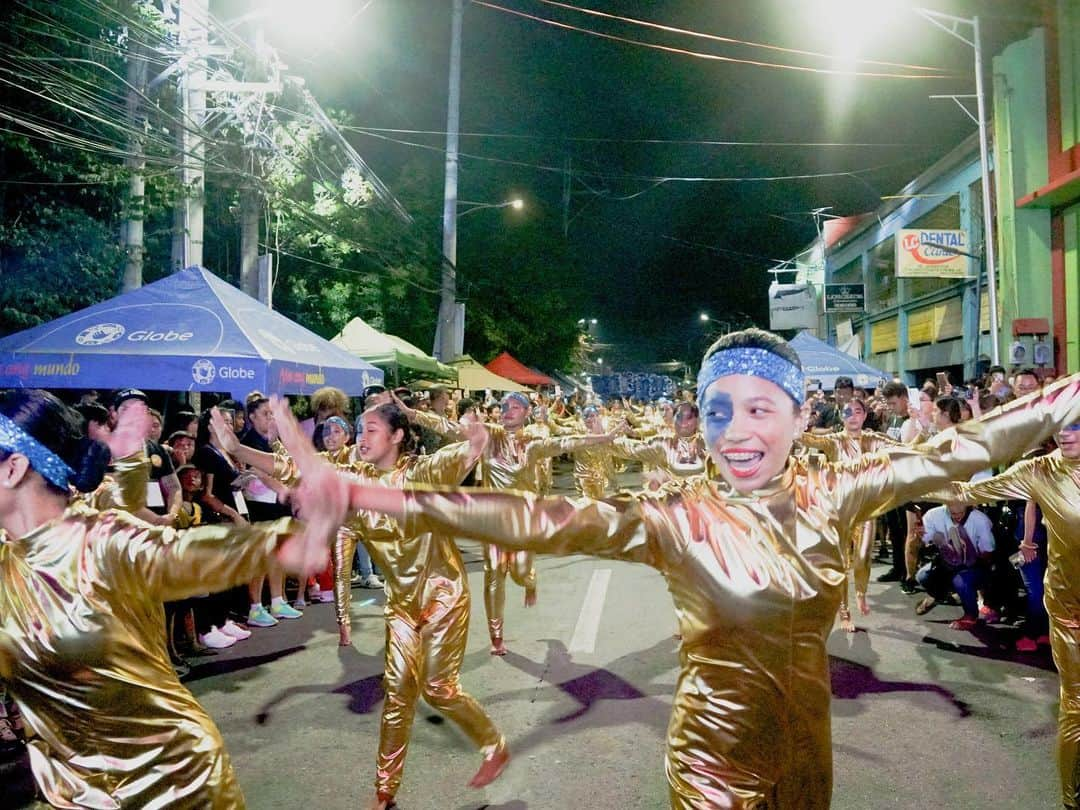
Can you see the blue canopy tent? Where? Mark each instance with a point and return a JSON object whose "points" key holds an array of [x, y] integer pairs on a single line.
{"points": [[823, 362], [190, 331]]}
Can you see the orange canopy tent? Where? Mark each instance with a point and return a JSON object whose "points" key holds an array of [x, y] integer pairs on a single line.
{"points": [[505, 365]]}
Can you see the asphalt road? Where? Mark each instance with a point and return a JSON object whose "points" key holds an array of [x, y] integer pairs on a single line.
{"points": [[922, 716]]}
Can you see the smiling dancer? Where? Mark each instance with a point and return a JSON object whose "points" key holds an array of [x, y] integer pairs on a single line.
{"points": [[851, 444], [752, 559], [427, 588], [82, 632]]}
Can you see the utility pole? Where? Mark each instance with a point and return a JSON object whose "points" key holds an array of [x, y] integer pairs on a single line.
{"points": [[448, 309], [131, 231], [187, 247], [250, 208]]}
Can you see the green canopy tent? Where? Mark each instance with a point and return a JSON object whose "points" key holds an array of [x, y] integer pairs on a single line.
{"points": [[389, 352]]}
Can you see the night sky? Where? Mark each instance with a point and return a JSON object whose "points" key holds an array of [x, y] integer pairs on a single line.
{"points": [[676, 248]]}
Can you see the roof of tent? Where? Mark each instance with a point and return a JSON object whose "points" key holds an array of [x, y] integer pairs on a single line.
{"points": [[363, 340], [190, 331], [506, 365], [474, 377], [820, 361]]}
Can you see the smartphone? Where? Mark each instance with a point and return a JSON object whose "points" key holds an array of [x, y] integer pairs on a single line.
{"points": [[913, 395], [942, 381]]}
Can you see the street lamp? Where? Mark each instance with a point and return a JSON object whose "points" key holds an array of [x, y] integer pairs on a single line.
{"points": [[517, 204], [951, 25], [703, 317]]}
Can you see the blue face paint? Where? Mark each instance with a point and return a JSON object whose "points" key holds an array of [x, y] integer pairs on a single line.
{"points": [[1075, 426], [718, 412]]}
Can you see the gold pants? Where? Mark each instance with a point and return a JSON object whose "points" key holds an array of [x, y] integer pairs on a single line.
{"points": [[426, 661], [735, 743], [497, 564], [1065, 645], [341, 561], [856, 549]]}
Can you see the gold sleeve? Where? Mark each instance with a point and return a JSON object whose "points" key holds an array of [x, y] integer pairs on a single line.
{"points": [[557, 445], [644, 452], [625, 527], [439, 424], [448, 466], [896, 475], [822, 443], [1013, 484], [176, 564], [127, 490]]}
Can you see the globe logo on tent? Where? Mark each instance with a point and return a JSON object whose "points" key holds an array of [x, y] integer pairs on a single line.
{"points": [[203, 372], [99, 334]]}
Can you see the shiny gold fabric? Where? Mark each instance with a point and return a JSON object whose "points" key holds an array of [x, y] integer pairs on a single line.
{"points": [[684, 456], [1053, 482], [512, 460], [82, 648], [594, 465], [756, 583], [427, 611], [857, 545]]}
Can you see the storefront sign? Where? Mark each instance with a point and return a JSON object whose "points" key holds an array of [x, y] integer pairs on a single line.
{"points": [[792, 306], [932, 254], [845, 298]]}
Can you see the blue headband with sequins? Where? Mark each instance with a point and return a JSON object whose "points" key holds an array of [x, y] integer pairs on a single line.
{"points": [[520, 397], [341, 423], [48, 465], [589, 410], [752, 362]]}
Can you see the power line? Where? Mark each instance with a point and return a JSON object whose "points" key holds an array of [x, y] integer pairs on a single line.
{"points": [[730, 40], [657, 179], [662, 141], [709, 56]]}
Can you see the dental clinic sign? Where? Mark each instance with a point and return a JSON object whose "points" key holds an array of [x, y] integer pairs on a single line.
{"points": [[932, 254]]}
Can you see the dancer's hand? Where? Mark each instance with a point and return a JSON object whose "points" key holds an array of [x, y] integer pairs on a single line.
{"points": [[223, 432], [321, 500], [477, 435], [132, 428]]}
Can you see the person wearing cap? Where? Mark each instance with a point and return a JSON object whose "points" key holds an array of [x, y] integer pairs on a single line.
{"points": [[752, 558], [513, 459]]}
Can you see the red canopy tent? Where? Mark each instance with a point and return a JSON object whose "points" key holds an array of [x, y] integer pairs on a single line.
{"points": [[506, 365]]}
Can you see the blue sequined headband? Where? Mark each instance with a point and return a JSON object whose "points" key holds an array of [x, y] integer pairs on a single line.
{"points": [[341, 423], [752, 362], [589, 410], [48, 465], [520, 397]]}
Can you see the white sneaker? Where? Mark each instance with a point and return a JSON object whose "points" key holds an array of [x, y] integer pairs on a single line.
{"points": [[299, 603], [216, 640], [371, 581], [233, 630], [325, 596]]}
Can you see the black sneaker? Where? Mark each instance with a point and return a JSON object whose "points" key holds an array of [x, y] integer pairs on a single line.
{"points": [[890, 576], [908, 586]]}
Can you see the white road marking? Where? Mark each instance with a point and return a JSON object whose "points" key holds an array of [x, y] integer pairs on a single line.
{"points": [[588, 623]]}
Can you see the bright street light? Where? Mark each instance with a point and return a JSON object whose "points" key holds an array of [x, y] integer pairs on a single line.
{"points": [[703, 317], [516, 203]]}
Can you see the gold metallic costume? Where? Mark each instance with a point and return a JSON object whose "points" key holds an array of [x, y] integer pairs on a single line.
{"points": [[511, 461], [684, 456], [427, 611], [594, 466], [756, 583], [1053, 482], [857, 546], [82, 648]]}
